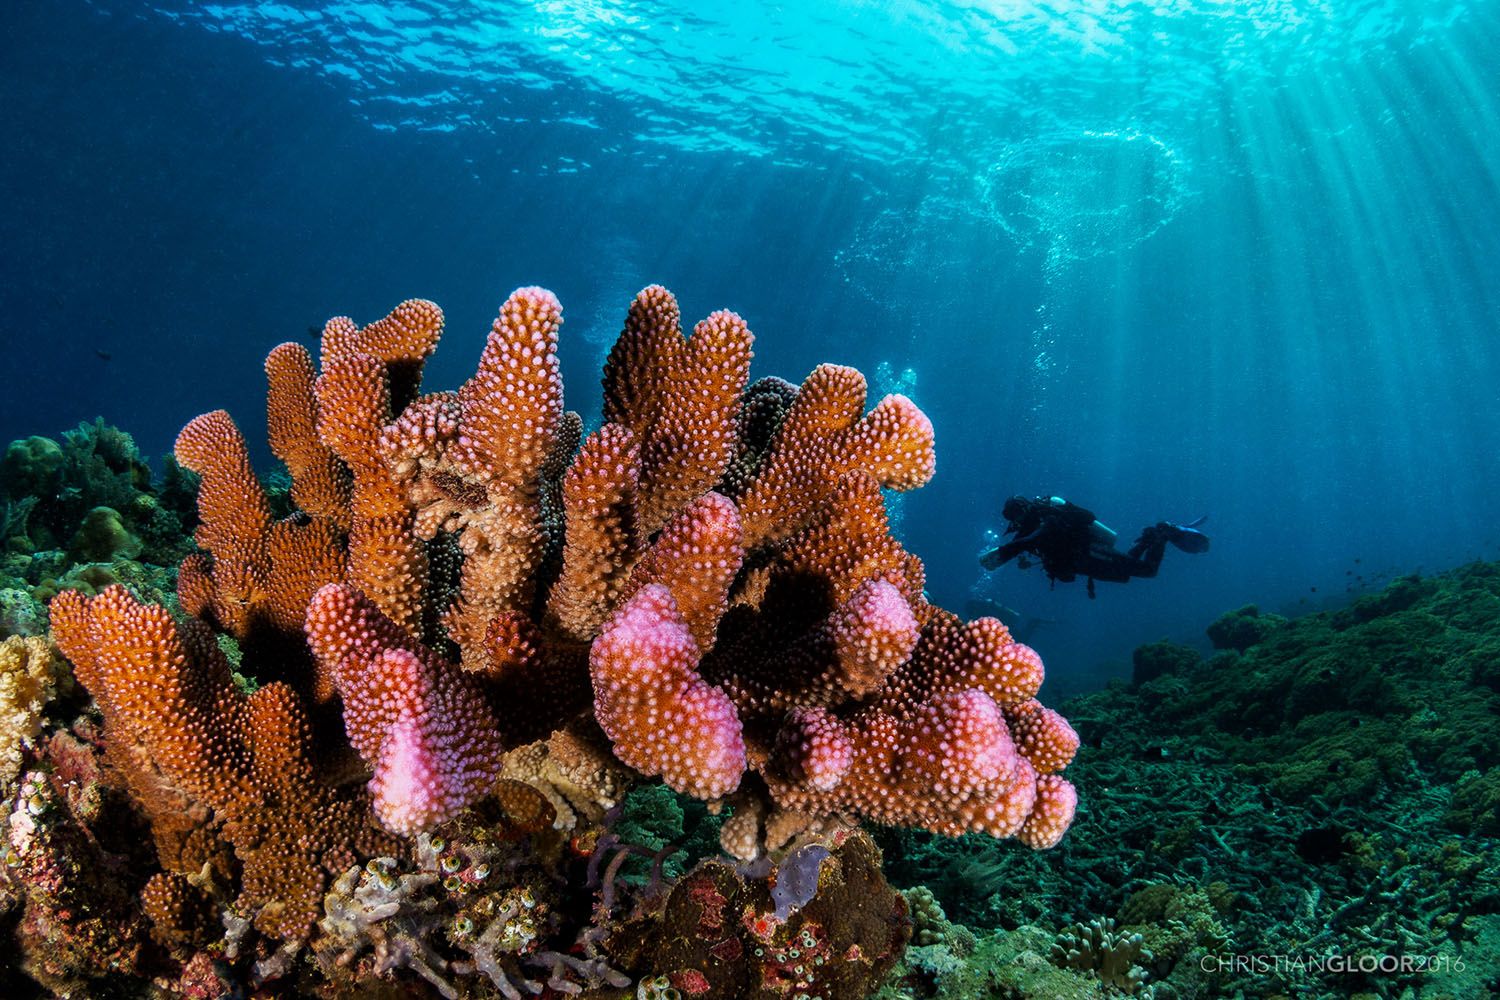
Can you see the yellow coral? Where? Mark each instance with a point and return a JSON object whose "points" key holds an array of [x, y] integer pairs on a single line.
{"points": [[29, 669]]}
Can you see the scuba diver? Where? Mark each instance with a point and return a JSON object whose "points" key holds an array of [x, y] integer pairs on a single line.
{"points": [[1070, 541], [1021, 625]]}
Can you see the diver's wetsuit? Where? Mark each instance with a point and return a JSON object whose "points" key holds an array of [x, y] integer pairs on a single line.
{"points": [[1071, 542]]}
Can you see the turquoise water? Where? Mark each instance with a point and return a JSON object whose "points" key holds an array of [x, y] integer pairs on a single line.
{"points": [[1161, 258]]}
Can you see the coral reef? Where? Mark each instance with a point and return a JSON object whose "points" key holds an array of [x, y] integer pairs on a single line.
{"points": [[1241, 629], [84, 514], [211, 766], [1155, 659], [353, 768], [1008, 965], [778, 635], [720, 934], [21, 614], [931, 926], [92, 492], [390, 737], [30, 672], [103, 537], [1327, 791], [1104, 952]]}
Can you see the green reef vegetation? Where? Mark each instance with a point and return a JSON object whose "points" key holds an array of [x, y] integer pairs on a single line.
{"points": [[1317, 799], [1310, 811], [85, 512]]}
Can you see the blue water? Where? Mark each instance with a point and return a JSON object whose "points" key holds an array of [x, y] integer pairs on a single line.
{"points": [[1164, 259]]}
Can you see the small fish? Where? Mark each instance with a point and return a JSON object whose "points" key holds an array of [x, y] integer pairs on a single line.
{"points": [[103, 355]]}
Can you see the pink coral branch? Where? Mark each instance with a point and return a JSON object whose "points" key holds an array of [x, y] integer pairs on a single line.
{"points": [[421, 723], [663, 718]]}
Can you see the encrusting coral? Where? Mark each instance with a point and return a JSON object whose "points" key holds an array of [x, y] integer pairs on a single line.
{"points": [[491, 602]]}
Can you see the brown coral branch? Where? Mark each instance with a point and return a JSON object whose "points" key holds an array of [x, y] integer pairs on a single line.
{"points": [[167, 691], [680, 396], [401, 342], [320, 482], [601, 548], [822, 438]]}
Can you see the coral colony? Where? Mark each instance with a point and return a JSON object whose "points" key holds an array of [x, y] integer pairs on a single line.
{"points": [[390, 735]]}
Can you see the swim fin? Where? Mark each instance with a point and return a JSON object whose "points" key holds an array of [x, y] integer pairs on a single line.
{"points": [[1187, 538]]}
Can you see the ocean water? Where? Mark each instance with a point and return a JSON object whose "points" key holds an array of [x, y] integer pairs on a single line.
{"points": [[1162, 258]]}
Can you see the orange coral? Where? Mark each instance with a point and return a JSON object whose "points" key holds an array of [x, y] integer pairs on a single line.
{"points": [[168, 692], [1051, 813], [1042, 736], [233, 507], [133, 661], [195, 585], [422, 725], [304, 556], [513, 404], [660, 714], [510, 414], [680, 396], [401, 342], [234, 517], [713, 567], [354, 403], [599, 493], [257, 576], [849, 542], [824, 436], [385, 560], [180, 912], [696, 556], [632, 379], [320, 482]]}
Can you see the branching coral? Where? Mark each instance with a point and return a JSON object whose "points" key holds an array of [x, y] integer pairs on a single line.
{"points": [[783, 633], [204, 759], [1098, 948], [423, 725], [705, 585]]}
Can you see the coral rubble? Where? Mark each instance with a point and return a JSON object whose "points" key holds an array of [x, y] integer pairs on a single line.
{"points": [[1320, 789]]}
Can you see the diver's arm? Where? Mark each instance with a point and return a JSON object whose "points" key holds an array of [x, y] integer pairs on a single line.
{"points": [[996, 558]]}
